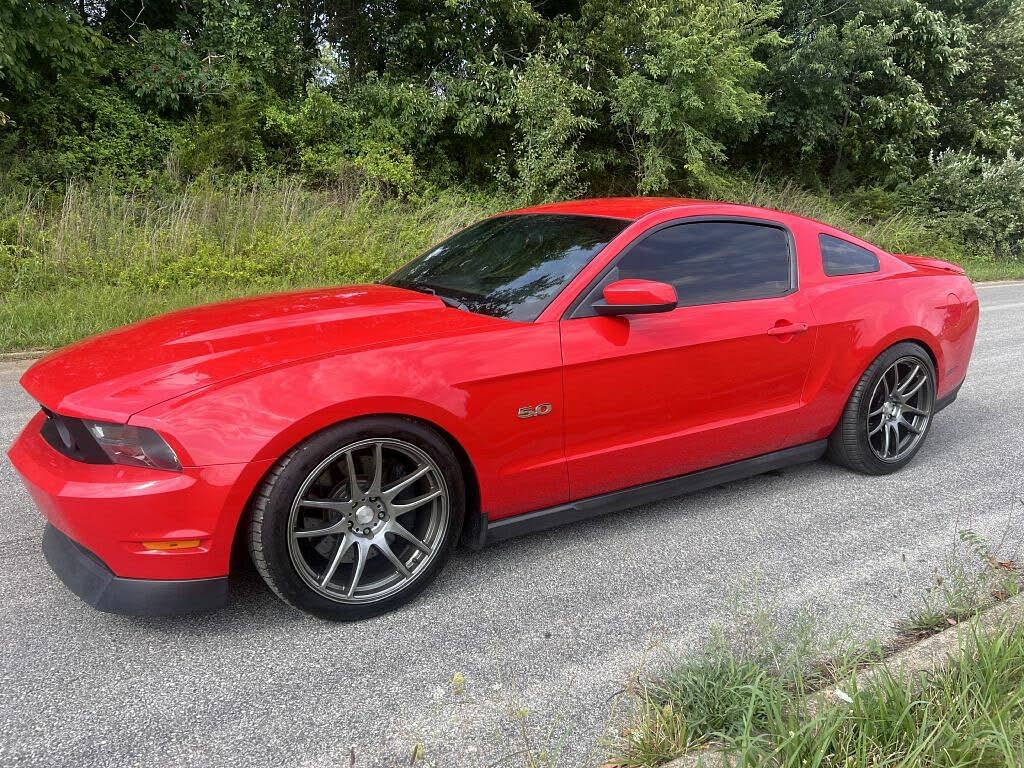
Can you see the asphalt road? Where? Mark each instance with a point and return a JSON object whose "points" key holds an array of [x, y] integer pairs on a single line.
{"points": [[544, 630]]}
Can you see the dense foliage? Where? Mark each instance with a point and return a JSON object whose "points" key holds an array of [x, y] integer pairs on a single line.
{"points": [[549, 97]]}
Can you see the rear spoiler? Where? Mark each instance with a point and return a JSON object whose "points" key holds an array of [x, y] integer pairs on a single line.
{"points": [[926, 263]]}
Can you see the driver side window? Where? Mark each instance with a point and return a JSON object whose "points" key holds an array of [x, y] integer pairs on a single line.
{"points": [[708, 262]]}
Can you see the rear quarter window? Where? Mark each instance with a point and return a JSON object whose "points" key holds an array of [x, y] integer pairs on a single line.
{"points": [[839, 257]]}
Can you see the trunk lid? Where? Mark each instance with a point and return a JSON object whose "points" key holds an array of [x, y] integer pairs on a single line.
{"points": [[929, 264]]}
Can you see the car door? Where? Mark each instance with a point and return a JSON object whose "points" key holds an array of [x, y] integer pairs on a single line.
{"points": [[718, 379]]}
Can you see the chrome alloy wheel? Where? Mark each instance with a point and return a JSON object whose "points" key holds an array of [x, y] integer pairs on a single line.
{"points": [[368, 520], [899, 409]]}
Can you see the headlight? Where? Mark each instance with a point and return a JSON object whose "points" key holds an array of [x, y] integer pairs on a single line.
{"points": [[134, 446]]}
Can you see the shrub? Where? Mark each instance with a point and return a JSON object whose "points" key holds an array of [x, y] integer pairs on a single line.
{"points": [[101, 135], [981, 199]]}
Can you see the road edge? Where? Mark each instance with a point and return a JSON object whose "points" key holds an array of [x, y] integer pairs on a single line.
{"points": [[25, 354], [928, 655]]}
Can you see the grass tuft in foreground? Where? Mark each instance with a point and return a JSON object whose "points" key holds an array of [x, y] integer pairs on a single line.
{"points": [[974, 577], [751, 695], [969, 714]]}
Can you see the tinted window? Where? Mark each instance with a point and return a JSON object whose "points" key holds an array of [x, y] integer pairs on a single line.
{"points": [[839, 257], [711, 262], [509, 266]]}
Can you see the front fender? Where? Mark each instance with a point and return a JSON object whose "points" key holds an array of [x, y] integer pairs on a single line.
{"points": [[472, 387]]}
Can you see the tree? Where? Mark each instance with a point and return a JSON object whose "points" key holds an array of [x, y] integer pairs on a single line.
{"points": [[42, 44], [680, 79], [853, 94]]}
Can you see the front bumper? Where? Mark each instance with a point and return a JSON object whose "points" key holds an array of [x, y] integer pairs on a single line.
{"points": [[101, 515], [88, 577]]}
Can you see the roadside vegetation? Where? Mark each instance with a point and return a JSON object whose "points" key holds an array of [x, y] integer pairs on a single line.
{"points": [[970, 713], [85, 258], [160, 153], [80, 258], [752, 694], [974, 577]]}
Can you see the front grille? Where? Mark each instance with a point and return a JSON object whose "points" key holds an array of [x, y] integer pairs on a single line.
{"points": [[69, 436]]}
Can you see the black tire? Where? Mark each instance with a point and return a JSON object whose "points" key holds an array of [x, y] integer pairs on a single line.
{"points": [[284, 561], [850, 444]]}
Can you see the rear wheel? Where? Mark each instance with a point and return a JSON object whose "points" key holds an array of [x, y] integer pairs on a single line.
{"points": [[889, 413], [359, 518]]}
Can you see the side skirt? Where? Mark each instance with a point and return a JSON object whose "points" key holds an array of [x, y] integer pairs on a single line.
{"points": [[947, 400], [542, 519]]}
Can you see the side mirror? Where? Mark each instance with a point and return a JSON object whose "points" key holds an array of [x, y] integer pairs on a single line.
{"points": [[636, 297]]}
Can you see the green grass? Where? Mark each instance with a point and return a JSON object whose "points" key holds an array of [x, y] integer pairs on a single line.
{"points": [[85, 259], [749, 693], [729, 691], [61, 316], [969, 714], [984, 269], [90, 259]]}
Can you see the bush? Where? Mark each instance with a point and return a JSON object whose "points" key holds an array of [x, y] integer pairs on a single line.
{"points": [[981, 199], [224, 137], [98, 135]]}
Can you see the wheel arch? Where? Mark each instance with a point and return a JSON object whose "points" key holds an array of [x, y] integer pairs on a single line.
{"points": [[916, 335], [471, 481], [917, 341], [908, 336]]}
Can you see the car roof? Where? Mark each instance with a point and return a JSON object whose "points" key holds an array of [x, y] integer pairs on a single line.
{"points": [[631, 208]]}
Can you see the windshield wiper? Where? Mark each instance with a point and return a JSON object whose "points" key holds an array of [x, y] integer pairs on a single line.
{"points": [[451, 301]]}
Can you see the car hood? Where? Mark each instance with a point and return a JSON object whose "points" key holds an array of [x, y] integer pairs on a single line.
{"points": [[114, 375]]}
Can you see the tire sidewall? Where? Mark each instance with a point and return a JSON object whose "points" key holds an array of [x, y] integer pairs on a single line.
{"points": [[863, 403], [302, 461]]}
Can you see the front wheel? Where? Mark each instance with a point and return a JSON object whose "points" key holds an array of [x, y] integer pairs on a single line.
{"points": [[888, 414], [359, 518]]}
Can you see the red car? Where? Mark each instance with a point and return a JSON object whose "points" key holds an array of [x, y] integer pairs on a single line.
{"points": [[539, 367]]}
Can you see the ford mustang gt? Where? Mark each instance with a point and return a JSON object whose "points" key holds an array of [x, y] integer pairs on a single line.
{"points": [[539, 367]]}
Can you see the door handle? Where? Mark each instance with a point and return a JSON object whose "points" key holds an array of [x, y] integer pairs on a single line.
{"points": [[787, 330]]}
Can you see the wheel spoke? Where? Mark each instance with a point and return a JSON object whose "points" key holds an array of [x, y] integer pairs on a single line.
{"points": [[876, 430], [401, 531], [337, 527], [340, 548], [378, 469], [385, 549], [916, 411], [336, 506], [362, 552], [353, 481], [876, 412], [392, 491], [885, 448], [896, 438], [419, 501], [910, 393], [901, 390], [909, 426]]}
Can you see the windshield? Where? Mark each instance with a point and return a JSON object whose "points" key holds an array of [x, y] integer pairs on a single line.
{"points": [[509, 266]]}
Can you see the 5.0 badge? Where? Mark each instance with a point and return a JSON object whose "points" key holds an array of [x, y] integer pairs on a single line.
{"points": [[528, 411]]}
